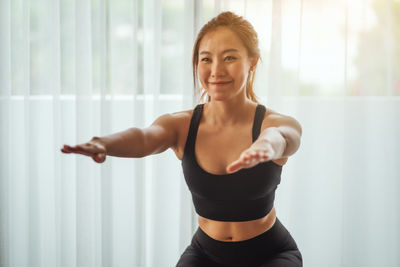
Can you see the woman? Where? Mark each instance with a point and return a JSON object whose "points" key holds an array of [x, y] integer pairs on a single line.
{"points": [[232, 151]]}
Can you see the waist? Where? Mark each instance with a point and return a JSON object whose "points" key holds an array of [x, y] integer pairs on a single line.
{"points": [[232, 210], [237, 231]]}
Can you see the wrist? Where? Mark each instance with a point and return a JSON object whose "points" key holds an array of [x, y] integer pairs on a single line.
{"points": [[99, 141], [262, 142], [272, 138]]}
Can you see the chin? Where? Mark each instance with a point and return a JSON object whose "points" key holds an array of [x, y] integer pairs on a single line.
{"points": [[219, 97]]}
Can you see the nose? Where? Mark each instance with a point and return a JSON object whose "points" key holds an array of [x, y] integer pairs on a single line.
{"points": [[217, 69]]}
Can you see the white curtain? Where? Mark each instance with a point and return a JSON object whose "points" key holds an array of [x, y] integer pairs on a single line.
{"points": [[70, 70]]}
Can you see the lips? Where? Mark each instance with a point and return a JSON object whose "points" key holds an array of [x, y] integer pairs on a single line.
{"points": [[220, 82]]}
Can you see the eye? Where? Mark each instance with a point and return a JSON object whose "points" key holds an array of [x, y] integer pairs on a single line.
{"points": [[229, 58], [205, 59]]}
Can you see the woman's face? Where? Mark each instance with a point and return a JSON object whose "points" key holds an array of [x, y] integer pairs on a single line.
{"points": [[223, 64]]}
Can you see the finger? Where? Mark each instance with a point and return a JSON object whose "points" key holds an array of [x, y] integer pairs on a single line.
{"points": [[260, 156], [254, 154], [247, 156], [77, 150], [87, 149], [69, 149], [235, 166], [243, 162], [251, 162], [250, 157], [257, 156], [65, 150], [265, 156]]}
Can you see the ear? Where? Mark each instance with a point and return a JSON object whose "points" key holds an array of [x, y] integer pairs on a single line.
{"points": [[253, 62]]}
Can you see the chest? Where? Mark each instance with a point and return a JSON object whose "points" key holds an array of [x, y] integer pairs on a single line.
{"points": [[215, 148]]}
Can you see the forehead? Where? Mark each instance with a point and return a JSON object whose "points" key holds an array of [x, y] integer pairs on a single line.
{"points": [[221, 39]]}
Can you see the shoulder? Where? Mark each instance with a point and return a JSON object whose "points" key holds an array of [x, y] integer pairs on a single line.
{"points": [[181, 117], [272, 115], [172, 127], [179, 123], [173, 119]]}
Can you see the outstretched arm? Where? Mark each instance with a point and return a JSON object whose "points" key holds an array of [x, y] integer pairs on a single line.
{"points": [[132, 143], [279, 139]]}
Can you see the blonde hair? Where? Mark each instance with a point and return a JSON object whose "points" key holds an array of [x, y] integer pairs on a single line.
{"points": [[246, 33]]}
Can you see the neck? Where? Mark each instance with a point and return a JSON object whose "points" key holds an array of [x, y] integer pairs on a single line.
{"points": [[231, 112]]}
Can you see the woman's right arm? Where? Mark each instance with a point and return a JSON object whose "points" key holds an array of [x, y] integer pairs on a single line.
{"points": [[133, 142]]}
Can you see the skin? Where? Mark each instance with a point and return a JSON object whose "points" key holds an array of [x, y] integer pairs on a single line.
{"points": [[227, 119]]}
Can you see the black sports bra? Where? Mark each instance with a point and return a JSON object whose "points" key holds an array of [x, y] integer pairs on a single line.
{"points": [[245, 195]]}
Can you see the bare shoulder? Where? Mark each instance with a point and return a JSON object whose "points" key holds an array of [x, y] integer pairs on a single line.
{"points": [[178, 123], [183, 115], [180, 119], [172, 120]]}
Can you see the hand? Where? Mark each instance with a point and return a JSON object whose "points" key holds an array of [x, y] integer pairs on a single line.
{"points": [[260, 151], [94, 149]]}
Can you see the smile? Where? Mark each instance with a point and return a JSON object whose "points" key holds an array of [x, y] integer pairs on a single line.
{"points": [[219, 83]]}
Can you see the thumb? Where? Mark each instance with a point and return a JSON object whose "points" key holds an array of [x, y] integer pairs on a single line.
{"points": [[99, 157]]}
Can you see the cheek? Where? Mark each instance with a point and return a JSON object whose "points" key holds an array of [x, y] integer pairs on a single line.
{"points": [[203, 73], [240, 72]]}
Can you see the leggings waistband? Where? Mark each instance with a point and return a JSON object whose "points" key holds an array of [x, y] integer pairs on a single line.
{"points": [[241, 253]]}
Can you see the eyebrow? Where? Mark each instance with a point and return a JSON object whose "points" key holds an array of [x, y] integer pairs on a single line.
{"points": [[223, 52]]}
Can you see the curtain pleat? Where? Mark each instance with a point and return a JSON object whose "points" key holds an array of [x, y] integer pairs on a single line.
{"points": [[56, 120], [389, 48], [275, 58], [71, 70], [150, 81], [86, 173], [102, 46], [300, 27], [5, 133]]}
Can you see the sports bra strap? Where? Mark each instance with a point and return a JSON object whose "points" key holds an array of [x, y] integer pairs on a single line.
{"points": [[258, 119], [194, 126]]}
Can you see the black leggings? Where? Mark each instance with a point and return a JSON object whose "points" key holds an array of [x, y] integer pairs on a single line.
{"points": [[273, 248]]}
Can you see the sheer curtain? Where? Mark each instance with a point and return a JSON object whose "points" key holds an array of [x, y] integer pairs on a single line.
{"points": [[70, 70]]}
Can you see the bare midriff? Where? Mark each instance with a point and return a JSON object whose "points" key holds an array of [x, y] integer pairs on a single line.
{"points": [[237, 231]]}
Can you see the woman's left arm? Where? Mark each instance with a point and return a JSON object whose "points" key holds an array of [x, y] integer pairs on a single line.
{"points": [[279, 139], [283, 133]]}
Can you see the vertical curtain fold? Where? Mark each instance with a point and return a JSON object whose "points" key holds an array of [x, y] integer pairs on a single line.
{"points": [[138, 211], [87, 185], [5, 125], [102, 45], [151, 28], [70, 70], [301, 4], [389, 47], [275, 59]]}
